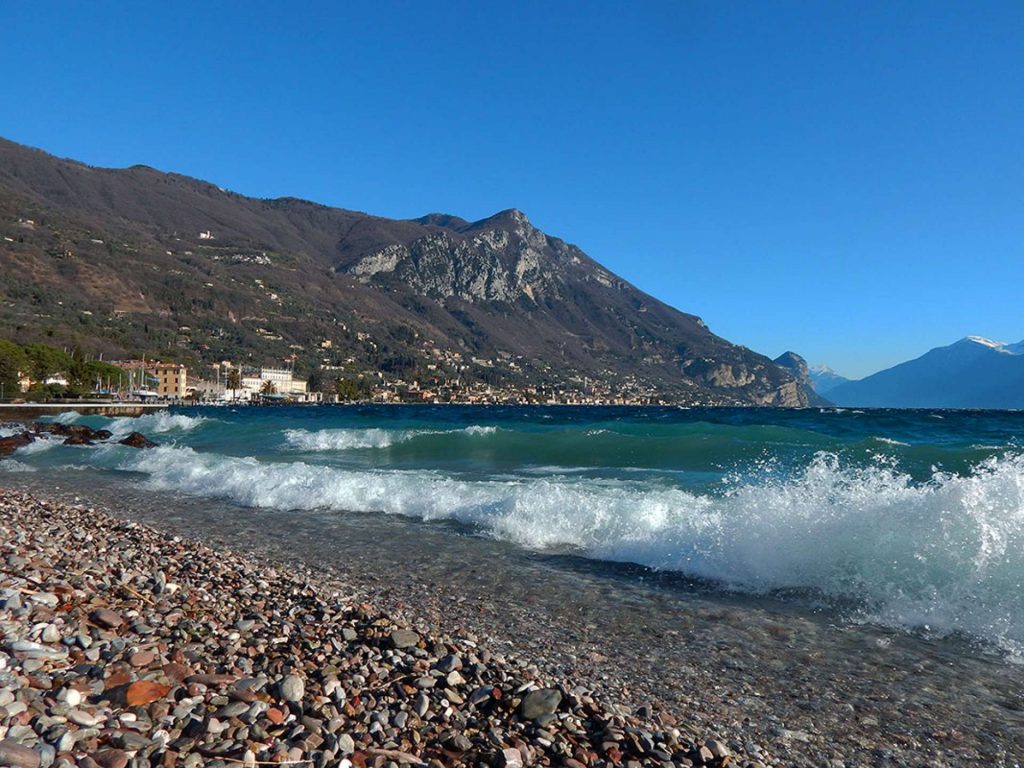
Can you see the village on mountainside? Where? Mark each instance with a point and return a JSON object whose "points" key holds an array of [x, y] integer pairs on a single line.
{"points": [[37, 373]]}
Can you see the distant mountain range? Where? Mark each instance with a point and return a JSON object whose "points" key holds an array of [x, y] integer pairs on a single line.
{"points": [[825, 379], [971, 373], [136, 261]]}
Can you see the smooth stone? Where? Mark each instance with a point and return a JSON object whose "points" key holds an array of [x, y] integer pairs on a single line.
{"points": [[293, 688], [50, 634], [47, 755], [35, 650], [106, 618], [718, 749], [131, 741], [421, 705], [83, 718], [537, 703], [18, 756], [346, 744], [449, 663], [70, 696], [404, 638]]}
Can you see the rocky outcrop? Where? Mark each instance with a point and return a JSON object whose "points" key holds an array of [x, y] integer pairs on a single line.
{"points": [[797, 366], [479, 262], [137, 440], [11, 443], [73, 434]]}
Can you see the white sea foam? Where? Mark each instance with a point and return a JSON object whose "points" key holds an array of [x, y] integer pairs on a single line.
{"points": [[475, 429], [351, 439], [890, 441], [158, 422], [344, 439], [40, 444], [155, 423], [13, 466], [947, 554]]}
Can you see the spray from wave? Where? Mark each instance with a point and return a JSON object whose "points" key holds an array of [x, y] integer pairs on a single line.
{"points": [[947, 554], [353, 439], [160, 422]]}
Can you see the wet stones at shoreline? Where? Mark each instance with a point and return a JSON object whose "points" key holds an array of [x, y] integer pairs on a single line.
{"points": [[73, 434], [122, 646]]}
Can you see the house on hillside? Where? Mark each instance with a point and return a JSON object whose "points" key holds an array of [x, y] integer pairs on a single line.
{"points": [[172, 379]]}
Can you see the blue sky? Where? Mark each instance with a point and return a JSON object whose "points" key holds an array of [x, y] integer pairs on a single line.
{"points": [[840, 179]]}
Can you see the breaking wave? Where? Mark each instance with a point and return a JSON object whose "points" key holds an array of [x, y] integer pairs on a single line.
{"points": [[946, 553], [351, 439], [158, 423]]}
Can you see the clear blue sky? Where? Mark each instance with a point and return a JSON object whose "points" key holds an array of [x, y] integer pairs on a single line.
{"points": [[844, 179]]}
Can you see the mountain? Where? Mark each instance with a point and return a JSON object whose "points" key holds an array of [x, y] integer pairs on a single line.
{"points": [[134, 260], [825, 379], [797, 366], [972, 373]]}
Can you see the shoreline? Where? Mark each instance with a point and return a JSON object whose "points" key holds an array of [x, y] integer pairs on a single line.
{"points": [[773, 683], [128, 646]]}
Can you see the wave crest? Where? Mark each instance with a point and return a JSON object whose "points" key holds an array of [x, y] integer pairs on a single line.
{"points": [[157, 423], [351, 439], [947, 554]]}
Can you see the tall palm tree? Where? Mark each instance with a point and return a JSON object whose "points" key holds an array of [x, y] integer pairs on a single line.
{"points": [[234, 382]]}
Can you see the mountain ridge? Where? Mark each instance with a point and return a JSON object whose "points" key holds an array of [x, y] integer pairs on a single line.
{"points": [[132, 256], [972, 372]]}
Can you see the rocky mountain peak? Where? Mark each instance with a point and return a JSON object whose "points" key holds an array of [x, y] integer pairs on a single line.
{"points": [[143, 260]]}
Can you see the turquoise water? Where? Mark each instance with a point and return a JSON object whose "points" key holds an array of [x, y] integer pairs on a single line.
{"points": [[912, 519]]}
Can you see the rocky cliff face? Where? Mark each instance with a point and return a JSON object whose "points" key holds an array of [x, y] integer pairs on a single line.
{"points": [[138, 261], [797, 366], [474, 263]]}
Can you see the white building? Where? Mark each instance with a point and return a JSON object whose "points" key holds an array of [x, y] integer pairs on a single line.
{"points": [[283, 381]]}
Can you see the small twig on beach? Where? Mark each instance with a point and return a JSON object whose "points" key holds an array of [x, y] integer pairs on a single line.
{"points": [[386, 683], [141, 597], [263, 762], [395, 754], [29, 579]]}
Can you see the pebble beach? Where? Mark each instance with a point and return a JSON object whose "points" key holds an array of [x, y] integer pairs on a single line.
{"points": [[125, 646]]}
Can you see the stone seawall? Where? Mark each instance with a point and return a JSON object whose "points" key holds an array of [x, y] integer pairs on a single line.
{"points": [[32, 411]]}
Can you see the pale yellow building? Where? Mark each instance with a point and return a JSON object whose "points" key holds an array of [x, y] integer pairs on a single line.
{"points": [[172, 379]]}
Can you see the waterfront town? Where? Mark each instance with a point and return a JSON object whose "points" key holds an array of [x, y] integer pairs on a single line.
{"points": [[39, 373]]}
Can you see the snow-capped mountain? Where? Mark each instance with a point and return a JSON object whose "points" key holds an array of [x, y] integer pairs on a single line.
{"points": [[974, 372], [825, 379]]}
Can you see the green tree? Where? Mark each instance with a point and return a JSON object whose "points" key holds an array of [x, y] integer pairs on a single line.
{"points": [[45, 361], [268, 388], [13, 363], [349, 390], [346, 389]]}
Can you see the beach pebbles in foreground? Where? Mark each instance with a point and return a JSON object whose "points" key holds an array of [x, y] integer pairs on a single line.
{"points": [[120, 646]]}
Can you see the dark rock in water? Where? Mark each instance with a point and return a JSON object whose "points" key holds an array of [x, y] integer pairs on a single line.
{"points": [[78, 439], [137, 440], [74, 434], [9, 445], [539, 703]]}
